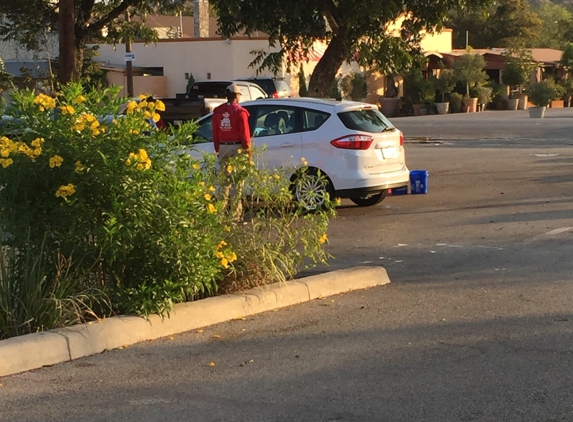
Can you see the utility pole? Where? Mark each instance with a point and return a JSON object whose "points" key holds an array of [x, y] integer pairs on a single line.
{"points": [[128, 62], [67, 41]]}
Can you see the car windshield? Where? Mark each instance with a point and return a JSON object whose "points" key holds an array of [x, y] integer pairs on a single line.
{"points": [[365, 120]]}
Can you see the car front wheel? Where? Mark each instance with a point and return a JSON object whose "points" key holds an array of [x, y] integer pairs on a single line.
{"points": [[311, 189], [369, 200]]}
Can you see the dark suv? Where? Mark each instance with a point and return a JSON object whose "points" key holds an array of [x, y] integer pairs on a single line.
{"points": [[274, 87]]}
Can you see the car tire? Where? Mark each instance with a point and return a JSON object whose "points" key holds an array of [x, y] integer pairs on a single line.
{"points": [[311, 190], [369, 200]]}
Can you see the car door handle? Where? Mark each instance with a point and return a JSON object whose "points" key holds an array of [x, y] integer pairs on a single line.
{"points": [[287, 145]]}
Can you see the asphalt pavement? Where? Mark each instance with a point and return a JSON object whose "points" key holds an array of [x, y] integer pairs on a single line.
{"points": [[477, 324]]}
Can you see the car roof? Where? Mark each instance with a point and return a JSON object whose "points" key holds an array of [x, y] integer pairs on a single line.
{"points": [[325, 103]]}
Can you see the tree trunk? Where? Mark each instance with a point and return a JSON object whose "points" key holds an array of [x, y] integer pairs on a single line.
{"points": [[67, 41], [325, 71]]}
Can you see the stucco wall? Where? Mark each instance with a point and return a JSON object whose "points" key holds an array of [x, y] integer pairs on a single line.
{"points": [[222, 59], [155, 85]]}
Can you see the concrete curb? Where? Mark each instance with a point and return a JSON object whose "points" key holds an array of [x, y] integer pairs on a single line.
{"points": [[33, 351]]}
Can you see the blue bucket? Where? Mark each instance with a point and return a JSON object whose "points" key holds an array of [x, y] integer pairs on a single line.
{"points": [[419, 181]]}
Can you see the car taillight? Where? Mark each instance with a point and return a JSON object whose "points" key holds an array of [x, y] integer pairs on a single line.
{"points": [[401, 138], [275, 95], [353, 142]]}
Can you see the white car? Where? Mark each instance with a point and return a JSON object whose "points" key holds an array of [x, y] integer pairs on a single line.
{"points": [[352, 144]]}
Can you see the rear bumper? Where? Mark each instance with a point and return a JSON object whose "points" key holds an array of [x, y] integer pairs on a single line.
{"points": [[372, 184], [350, 193]]}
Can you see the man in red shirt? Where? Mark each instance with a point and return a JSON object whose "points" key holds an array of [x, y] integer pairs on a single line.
{"points": [[231, 133]]}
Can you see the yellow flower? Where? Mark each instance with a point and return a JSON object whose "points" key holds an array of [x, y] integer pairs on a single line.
{"points": [[44, 102], [156, 117], [197, 167], [229, 169], [232, 257], [337, 201], [211, 188], [224, 262], [207, 197], [56, 161], [304, 162], [37, 143], [89, 117], [94, 125], [142, 97], [66, 190], [37, 151], [239, 151], [132, 105], [159, 105], [67, 109], [323, 238], [79, 167], [211, 208], [276, 176], [221, 244], [143, 154], [5, 162], [79, 126], [219, 255], [5, 153], [202, 184], [80, 99]]}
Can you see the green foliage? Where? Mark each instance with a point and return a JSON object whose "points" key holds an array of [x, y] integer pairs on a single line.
{"points": [[484, 94], [351, 30], [456, 102], [542, 93], [469, 69], [131, 212], [556, 26], [95, 21], [519, 65], [190, 82], [302, 88], [501, 24], [445, 82], [567, 56], [38, 291], [413, 81], [428, 91], [353, 86]]}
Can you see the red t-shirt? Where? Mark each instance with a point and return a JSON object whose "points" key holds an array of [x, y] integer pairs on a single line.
{"points": [[231, 124]]}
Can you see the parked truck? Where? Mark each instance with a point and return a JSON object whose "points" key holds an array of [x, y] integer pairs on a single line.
{"points": [[203, 98]]}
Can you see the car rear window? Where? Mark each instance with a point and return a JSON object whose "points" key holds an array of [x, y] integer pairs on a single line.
{"points": [[365, 120], [209, 89]]}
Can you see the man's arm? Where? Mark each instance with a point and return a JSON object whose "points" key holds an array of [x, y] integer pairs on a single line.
{"points": [[245, 132]]}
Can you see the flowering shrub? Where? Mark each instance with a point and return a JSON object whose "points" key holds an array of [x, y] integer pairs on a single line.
{"points": [[133, 216]]}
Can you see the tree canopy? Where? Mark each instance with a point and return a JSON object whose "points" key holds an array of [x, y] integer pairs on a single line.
{"points": [[353, 30], [504, 23], [98, 21]]}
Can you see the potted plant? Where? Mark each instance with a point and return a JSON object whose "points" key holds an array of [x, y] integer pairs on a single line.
{"points": [[456, 102], [541, 95], [413, 80], [469, 70], [354, 87], [390, 102], [427, 96], [445, 84], [484, 96], [518, 66]]}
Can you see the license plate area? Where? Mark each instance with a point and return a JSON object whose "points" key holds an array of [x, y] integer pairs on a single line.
{"points": [[390, 152]]}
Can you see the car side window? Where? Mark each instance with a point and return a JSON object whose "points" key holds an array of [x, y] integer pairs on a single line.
{"points": [[204, 133], [275, 120], [313, 119], [257, 93]]}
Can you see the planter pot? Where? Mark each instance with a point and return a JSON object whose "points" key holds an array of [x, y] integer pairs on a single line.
{"points": [[512, 104], [390, 107], [423, 111], [537, 112], [471, 105], [443, 108], [522, 105], [417, 108], [557, 104]]}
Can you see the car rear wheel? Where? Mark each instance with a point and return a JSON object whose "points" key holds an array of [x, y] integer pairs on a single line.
{"points": [[369, 200], [311, 188]]}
